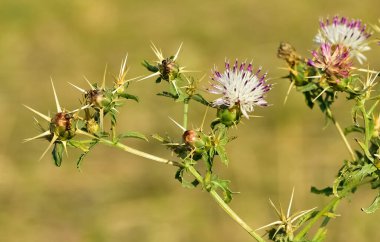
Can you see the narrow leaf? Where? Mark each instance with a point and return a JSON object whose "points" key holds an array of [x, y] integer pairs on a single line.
{"points": [[374, 206]]}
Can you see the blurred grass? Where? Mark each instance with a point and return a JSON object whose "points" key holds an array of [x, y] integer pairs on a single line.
{"points": [[119, 197]]}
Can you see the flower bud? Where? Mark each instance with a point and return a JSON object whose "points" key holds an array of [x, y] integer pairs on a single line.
{"points": [[92, 126], [62, 126], [95, 97], [229, 116], [169, 69], [193, 139]]}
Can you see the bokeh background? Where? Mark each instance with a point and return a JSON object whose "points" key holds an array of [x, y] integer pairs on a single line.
{"points": [[120, 197]]}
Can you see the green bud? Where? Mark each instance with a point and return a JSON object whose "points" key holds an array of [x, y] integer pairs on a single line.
{"points": [[92, 126], [229, 116]]}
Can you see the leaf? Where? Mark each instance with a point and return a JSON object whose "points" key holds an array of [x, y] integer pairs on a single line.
{"points": [[328, 191], [57, 153], [308, 87], [129, 96], [374, 206], [179, 175], [223, 185], [168, 94], [82, 156], [132, 134], [197, 97], [353, 128], [221, 150], [150, 67]]}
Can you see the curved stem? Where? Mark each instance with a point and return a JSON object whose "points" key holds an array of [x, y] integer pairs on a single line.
{"points": [[140, 153], [341, 133], [226, 208], [194, 172]]}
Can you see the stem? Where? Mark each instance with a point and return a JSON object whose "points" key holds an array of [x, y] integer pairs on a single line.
{"points": [[327, 208], [226, 208], [140, 153], [327, 219], [341, 133], [195, 173], [185, 112]]}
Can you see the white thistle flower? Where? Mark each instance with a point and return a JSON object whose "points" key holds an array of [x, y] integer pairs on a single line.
{"points": [[240, 87]]}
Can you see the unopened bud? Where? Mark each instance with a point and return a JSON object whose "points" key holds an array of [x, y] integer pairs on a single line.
{"points": [[229, 116], [62, 125], [193, 139], [288, 53]]}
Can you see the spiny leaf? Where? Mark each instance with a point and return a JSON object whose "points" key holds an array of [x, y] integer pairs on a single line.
{"points": [[374, 206]]}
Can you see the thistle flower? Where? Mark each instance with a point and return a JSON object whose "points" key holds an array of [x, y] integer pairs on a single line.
{"points": [[242, 89], [349, 33], [334, 60]]}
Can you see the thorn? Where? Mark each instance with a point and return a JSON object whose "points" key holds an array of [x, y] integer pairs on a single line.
{"points": [[80, 89], [55, 137], [182, 128], [44, 134], [59, 110], [38, 113], [179, 49], [104, 79], [288, 92], [89, 83]]}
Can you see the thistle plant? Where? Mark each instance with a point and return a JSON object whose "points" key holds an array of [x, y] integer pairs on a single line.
{"points": [[331, 70]]}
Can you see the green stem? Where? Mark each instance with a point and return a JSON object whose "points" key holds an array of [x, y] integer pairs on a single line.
{"points": [[195, 173], [226, 208], [140, 153], [326, 209], [185, 112], [341, 133], [322, 228]]}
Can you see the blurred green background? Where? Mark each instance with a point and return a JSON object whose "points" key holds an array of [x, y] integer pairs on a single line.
{"points": [[121, 197]]}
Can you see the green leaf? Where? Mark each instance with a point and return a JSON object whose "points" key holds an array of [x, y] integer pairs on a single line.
{"points": [[132, 134], [374, 206], [179, 175], [199, 98], [221, 150], [129, 96], [222, 185], [82, 156], [328, 191], [57, 153], [168, 94], [308, 87], [150, 67], [353, 128]]}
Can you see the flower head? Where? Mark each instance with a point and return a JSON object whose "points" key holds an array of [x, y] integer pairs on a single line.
{"points": [[240, 86], [349, 33], [334, 60]]}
